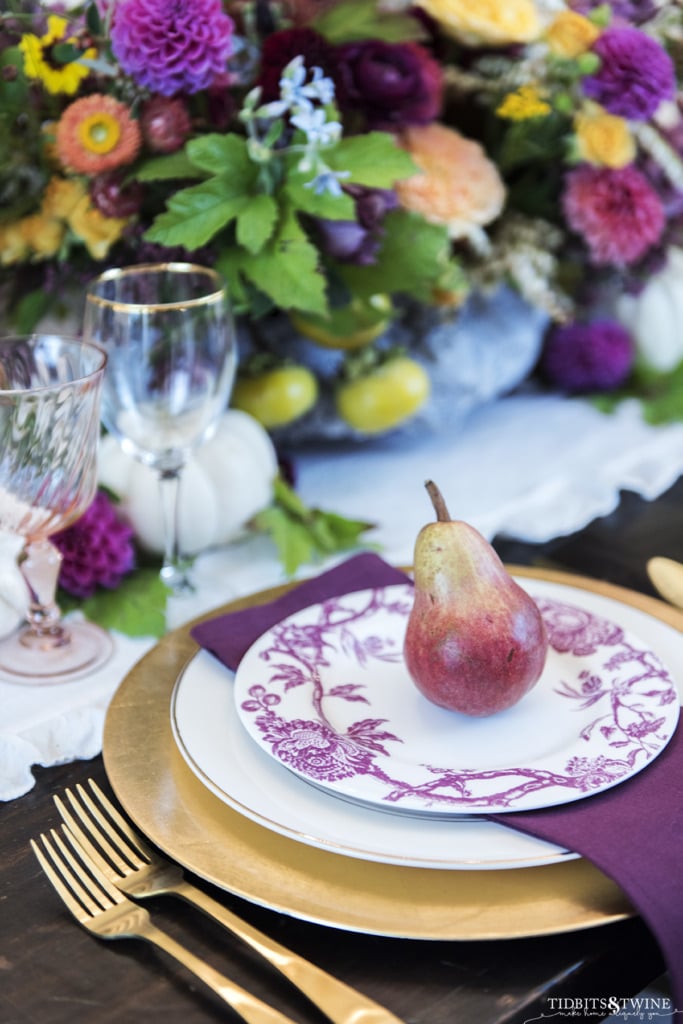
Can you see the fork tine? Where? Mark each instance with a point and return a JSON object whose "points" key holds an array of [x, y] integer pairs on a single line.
{"points": [[105, 891], [133, 837], [76, 908], [122, 865], [111, 871]]}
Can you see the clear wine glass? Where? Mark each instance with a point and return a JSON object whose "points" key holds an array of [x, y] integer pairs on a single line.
{"points": [[50, 391], [169, 336]]}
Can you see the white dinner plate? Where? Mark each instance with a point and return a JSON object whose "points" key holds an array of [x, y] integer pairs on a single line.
{"points": [[326, 694], [210, 737]]}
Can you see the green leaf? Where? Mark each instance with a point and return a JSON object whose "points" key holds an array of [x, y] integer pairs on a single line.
{"points": [[64, 53], [302, 534], [137, 607], [308, 201], [196, 214], [374, 159], [223, 155], [256, 222], [660, 394], [414, 257], [287, 269], [30, 309], [361, 19], [169, 167]]}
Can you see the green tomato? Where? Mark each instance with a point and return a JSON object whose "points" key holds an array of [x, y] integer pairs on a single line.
{"points": [[385, 397], [276, 397], [349, 327]]}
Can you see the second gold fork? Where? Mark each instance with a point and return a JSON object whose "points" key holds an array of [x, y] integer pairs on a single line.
{"points": [[140, 872]]}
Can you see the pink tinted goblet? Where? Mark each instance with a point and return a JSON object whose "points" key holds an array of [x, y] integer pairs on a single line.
{"points": [[50, 390]]}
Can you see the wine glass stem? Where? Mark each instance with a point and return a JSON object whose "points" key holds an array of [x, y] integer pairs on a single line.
{"points": [[39, 564], [175, 568]]}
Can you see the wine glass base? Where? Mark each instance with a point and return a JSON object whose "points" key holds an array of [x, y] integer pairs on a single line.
{"points": [[90, 647]]}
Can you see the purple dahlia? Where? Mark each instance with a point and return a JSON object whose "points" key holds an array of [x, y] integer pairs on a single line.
{"points": [[636, 73], [595, 356], [172, 46], [97, 550]]}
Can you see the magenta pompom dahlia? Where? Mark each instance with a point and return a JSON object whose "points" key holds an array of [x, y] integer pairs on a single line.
{"points": [[172, 46], [617, 213], [636, 73], [595, 356], [97, 550]]}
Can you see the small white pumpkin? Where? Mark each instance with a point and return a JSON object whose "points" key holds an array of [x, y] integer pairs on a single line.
{"points": [[225, 482], [654, 317]]}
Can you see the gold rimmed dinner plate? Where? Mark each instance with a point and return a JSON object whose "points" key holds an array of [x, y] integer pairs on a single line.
{"points": [[168, 803]]}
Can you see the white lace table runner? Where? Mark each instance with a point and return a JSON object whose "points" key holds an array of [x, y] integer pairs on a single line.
{"points": [[531, 467]]}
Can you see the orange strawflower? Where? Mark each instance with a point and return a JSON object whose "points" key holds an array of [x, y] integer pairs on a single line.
{"points": [[459, 186], [96, 133]]}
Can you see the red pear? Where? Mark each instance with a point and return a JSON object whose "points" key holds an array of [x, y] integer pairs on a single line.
{"points": [[475, 640]]}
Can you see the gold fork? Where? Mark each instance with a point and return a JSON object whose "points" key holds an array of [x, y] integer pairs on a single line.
{"points": [[104, 911], [139, 871]]}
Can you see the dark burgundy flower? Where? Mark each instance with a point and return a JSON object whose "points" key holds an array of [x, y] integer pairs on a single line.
{"points": [[635, 75], [97, 550], [282, 47], [595, 356], [165, 123], [391, 84], [114, 198]]}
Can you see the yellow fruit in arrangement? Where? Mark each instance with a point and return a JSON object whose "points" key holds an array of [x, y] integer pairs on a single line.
{"points": [[278, 396], [385, 397], [348, 327]]}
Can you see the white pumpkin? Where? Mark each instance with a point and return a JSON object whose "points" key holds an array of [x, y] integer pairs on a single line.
{"points": [[654, 317], [225, 482]]}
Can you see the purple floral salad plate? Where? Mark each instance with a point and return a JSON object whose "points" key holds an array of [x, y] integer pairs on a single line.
{"points": [[326, 694]]}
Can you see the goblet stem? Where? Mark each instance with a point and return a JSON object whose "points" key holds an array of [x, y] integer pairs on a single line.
{"points": [[39, 564], [175, 568]]}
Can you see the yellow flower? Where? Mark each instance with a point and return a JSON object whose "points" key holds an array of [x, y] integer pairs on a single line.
{"points": [[604, 139], [97, 232], [61, 196], [13, 247], [43, 235], [523, 104], [486, 22], [57, 78], [571, 34], [457, 185]]}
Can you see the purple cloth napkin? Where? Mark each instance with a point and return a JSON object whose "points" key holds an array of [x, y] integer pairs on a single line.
{"points": [[633, 833]]}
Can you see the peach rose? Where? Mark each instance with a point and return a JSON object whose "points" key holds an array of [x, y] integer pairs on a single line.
{"points": [[486, 22], [458, 185]]}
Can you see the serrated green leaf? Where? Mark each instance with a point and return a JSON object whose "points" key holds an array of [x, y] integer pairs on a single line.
{"points": [[196, 214], [256, 222], [224, 155], [413, 258], [291, 538], [308, 201], [361, 19], [286, 269], [168, 168], [136, 608], [374, 159]]}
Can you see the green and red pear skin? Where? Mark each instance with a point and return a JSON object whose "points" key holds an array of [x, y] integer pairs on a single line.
{"points": [[475, 640]]}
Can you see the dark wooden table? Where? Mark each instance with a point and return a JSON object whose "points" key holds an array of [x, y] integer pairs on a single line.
{"points": [[52, 972]]}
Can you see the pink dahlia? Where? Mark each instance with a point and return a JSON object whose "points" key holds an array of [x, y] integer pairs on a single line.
{"points": [[172, 46], [97, 550], [617, 213], [635, 74]]}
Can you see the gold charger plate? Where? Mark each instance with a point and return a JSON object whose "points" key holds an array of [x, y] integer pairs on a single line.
{"points": [[169, 804]]}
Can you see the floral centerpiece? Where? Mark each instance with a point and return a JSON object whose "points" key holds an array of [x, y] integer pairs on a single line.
{"points": [[359, 171], [351, 166]]}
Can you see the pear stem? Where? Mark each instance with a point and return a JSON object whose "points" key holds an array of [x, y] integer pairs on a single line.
{"points": [[438, 502]]}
